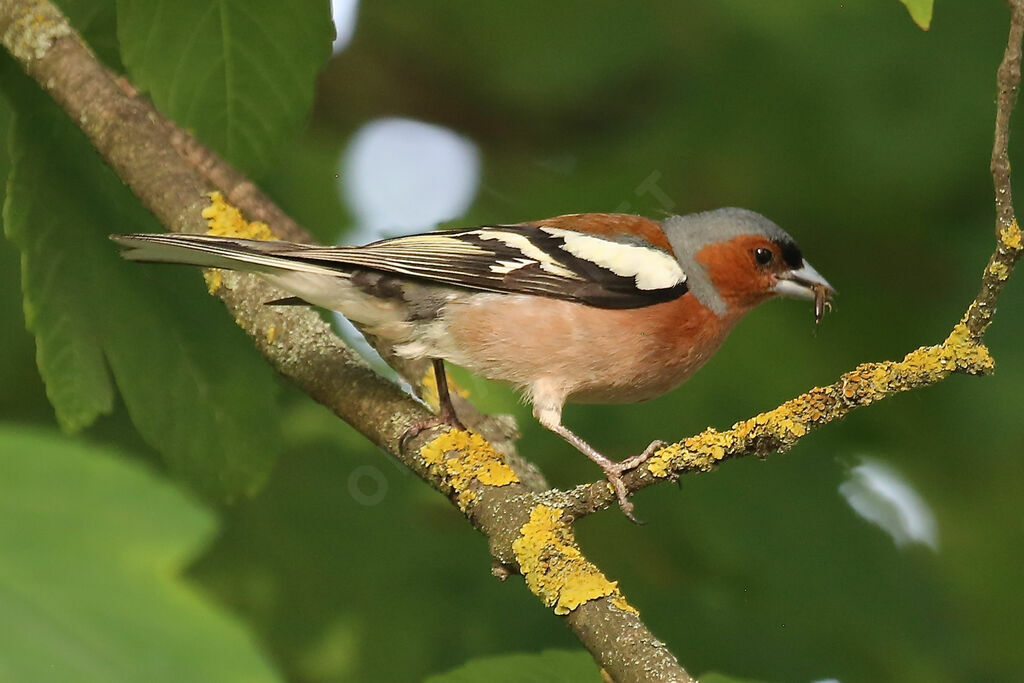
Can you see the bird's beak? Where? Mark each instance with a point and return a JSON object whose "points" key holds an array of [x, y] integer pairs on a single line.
{"points": [[807, 283], [803, 283]]}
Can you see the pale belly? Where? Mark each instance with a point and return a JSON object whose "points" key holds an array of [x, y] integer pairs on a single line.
{"points": [[588, 355]]}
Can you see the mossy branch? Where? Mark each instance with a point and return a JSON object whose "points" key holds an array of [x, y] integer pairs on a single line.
{"points": [[778, 430]]}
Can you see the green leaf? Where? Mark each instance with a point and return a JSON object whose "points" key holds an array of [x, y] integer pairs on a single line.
{"points": [[57, 309], [920, 12], [549, 666], [239, 73], [92, 550], [192, 383], [20, 388]]}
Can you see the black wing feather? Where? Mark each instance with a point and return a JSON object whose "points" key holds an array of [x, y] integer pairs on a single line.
{"points": [[493, 258]]}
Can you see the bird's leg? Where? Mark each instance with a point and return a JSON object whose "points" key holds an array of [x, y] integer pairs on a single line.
{"points": [[446, 411], [550, 416]]}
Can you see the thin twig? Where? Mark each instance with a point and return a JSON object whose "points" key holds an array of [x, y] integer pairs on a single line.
{"points": [[1007, 81]]}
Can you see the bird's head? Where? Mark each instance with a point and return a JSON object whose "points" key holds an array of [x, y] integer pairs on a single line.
{"points": [[735, 259]]}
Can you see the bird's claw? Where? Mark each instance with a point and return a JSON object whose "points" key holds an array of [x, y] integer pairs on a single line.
{"points": [[440, 420], [615, 479], [614, 471]]}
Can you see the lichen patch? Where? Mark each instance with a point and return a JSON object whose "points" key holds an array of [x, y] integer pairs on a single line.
{"points": [[461, 459], [226, 220], [214, 279], [999, 270], [781, 428], [554, 567], [1010, 237]]}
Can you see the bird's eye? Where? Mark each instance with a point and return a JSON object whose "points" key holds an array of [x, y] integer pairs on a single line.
{"points": [[763, 256]]}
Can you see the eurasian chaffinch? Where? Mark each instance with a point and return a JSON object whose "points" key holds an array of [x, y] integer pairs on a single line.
{"points": [[591, 307]]}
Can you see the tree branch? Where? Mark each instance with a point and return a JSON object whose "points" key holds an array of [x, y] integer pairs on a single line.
{"points": [[780, 429]]}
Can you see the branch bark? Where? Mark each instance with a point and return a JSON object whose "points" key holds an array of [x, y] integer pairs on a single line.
{"points": [[528, 532]]}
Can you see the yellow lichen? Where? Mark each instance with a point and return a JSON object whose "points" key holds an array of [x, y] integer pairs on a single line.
{"points": [[467, 498], [214, 279], [999, 270], [965, 352], [1010, 236], [699, 452], [619, 600], [271, 333], [226, 220], [960, 335], [477, 462], [784, 426], [554, 567], [659, 462]]}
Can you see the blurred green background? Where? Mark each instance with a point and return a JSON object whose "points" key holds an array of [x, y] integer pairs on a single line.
{"points": [[867, 139]]}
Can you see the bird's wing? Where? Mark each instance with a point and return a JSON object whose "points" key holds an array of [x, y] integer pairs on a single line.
{"points": [[540, 260], [599, 270]]}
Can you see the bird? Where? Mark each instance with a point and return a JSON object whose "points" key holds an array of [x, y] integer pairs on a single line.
{"points": [[583, 308]]}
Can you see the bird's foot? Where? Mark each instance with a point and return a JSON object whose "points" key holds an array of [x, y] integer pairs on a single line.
{"points": [[613, 471], [444, 418], [446, 413]]}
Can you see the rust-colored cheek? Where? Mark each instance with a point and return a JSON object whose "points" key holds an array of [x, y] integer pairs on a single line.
{"points": [[729, 264]]}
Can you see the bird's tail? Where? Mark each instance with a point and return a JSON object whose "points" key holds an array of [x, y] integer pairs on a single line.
{"points": [[207, 251]]}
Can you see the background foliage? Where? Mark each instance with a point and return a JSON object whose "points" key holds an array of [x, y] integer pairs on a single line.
{"points": [[865, 137]]}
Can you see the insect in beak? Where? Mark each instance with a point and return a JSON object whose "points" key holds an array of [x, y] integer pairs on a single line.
{"points": [[807, 283]]}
